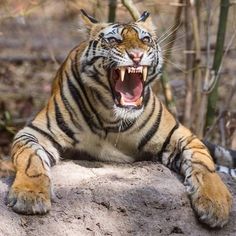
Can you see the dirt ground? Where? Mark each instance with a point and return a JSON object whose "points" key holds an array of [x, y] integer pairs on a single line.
{"points": [[91, 198]]}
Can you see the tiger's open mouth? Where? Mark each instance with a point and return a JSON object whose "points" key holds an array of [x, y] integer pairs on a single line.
{"points": [[127, 85]]}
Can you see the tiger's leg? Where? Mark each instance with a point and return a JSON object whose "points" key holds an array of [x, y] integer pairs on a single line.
{"points": [[31, 190], [209, 196]]}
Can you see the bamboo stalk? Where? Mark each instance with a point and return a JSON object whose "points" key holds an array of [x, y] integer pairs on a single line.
{"points": [[131, 8], [201, 119], [197, 75], [169, 99], [112, 10], [187, 119], [213, 96]]}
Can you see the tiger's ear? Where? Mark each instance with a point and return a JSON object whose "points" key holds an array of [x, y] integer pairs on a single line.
{"points": [[144, 16], [88, 20], [146, 21]]}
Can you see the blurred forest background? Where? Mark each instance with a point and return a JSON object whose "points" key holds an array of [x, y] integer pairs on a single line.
{"points": [[198, 38]]}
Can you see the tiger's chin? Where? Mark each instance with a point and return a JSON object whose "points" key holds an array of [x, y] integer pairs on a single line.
{"points": [[127, 113], [127, 85]]}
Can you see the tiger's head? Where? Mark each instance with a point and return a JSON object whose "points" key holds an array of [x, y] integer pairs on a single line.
{"points": [[120, 61]]}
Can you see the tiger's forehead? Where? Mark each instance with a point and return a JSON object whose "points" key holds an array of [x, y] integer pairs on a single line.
{"points": [[117, 30]]}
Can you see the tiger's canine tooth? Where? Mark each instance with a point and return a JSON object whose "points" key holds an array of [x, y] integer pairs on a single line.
{"points": [[122, 102], [139, 101], [144, 73], [122, 73]]}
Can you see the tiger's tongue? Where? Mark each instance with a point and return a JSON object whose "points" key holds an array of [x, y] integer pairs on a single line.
{"points": [[131, 88]]}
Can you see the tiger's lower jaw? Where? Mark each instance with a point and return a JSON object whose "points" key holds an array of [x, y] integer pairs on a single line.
{"points": [[129, 104], [126, 112]]}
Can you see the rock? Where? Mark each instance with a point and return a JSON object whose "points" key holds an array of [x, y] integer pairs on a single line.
{"points": [[94, 198]]}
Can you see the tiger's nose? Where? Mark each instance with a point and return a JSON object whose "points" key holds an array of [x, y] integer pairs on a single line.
{"points": [[136, 56]]}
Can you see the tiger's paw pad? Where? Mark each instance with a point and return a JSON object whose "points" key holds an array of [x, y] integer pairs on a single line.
{"points": [[28, 202], [212, 203]]}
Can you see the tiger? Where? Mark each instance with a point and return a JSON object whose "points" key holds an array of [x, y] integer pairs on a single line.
{"points": [[102, 105]]}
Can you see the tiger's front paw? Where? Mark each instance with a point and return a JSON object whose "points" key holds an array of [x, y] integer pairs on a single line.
{"points": [[28, 196], [211, 200]]}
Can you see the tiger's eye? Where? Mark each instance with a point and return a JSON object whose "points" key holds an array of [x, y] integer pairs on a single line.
{"points": [[146, 39], [113, 40]]}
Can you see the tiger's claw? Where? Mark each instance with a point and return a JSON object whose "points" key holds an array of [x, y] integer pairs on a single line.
{"points": [[27, 202], [30, 196]]}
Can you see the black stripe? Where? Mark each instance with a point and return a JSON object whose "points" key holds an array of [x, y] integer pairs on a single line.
{"points": [[183, 162], [234, 158], [28, 136], [79, 102], [100, 98], [50, 157], [150, 114], [152, 78], [204, 165], [97, 79], [167, 141], [117, 53], [94, 76], [28, 166], [90, 62], [192, 137], [81, 86], [47, 162], [48, 119], [27, 139], [171, 157], [147, 95], [88, 49], [77, 77], [101, 35], [48, 136], [95, 43], [16, 155], [116, 129], [181, 140], [152, 130], [175, 161], [97, 71], [61, 122], [93, 60], [69, 108], [116, 25]]}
